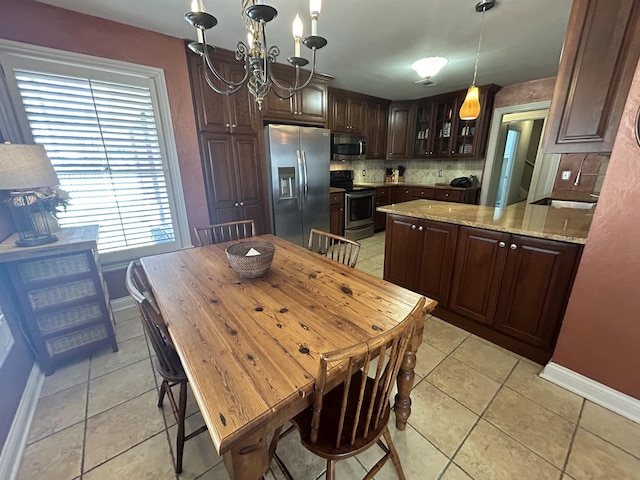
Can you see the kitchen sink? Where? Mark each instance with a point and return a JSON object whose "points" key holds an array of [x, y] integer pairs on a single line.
{"points": [[552, 202]]}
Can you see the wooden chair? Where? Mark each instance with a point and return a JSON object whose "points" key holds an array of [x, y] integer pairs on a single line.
{"points": [[225, 232], [335, 247], [351, 417], [168, 363]]}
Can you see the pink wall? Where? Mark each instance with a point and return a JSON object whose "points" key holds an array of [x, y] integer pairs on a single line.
{"points": [[600, 335], [31, 22], [526, 92]]}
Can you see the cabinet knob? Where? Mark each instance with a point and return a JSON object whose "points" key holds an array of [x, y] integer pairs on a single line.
{"points": [[513, 246], [236, 204], [420, 228], [233, 126], [453, 151], [227, 125], [413, 227], [502, 244], [242, 204], [446, 194]]}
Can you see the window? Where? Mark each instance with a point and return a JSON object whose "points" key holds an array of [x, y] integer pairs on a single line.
{"points": [[102, 125]]}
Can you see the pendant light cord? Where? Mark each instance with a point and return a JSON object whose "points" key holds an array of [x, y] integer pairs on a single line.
{"points": [[475, 71]]}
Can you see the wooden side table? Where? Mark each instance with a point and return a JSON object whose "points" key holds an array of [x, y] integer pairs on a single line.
{"points": [[61, 296]]}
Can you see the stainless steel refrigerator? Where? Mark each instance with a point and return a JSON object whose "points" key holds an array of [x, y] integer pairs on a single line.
{"points": [[298, 165]]}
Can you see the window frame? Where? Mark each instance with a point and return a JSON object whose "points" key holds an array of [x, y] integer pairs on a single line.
{"points": [[14, 121]]}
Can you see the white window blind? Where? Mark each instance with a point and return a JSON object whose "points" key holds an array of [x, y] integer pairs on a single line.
{"points": [[103, 142]]}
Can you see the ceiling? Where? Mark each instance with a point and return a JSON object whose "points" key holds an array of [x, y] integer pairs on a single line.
{"points": [[372, 43]]}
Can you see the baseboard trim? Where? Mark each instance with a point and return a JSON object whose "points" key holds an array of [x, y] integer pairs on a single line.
{"points": [[122, 303], [17, 439], [604, 396]]}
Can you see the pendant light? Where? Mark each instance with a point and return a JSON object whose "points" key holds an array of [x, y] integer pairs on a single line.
{"points": [[470, 108]]}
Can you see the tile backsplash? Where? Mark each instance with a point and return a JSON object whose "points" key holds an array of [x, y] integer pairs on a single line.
{"points": [[416, 171]]}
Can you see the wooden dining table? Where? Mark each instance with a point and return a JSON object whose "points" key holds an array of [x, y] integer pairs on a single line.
{"points": [[251, 347]]}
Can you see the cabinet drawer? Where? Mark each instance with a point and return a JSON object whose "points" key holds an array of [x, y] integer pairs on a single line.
{"points": [[336, 198], [382, 193], [424, 193], [72, 341], [449, 195], [54, 267], [60, 294], [52, 322]]}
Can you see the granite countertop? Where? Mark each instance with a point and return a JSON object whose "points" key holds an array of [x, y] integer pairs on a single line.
{"points": [[563, 224], [410, 184], [336, 190]]}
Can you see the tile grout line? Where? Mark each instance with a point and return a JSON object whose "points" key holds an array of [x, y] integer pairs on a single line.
{"points": [[573, 437]]}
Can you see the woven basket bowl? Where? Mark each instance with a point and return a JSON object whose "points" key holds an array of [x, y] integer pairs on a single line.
{"points": [[254, 266]]}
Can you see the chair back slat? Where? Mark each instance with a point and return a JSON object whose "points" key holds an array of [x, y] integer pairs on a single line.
{"points": [[335, 247], [225, 232], [152, 321], [365, 399]]}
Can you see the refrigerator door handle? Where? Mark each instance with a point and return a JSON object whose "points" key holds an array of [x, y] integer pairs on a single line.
{"points": [[306, 179], [300, 186]]}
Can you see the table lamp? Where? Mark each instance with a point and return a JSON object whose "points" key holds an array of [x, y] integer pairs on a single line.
{"points": [[24, 168]]}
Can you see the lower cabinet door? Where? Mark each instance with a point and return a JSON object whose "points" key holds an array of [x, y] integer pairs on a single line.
{"points": [[402, 254], [534, 289], [438, 247], [479, 264]]}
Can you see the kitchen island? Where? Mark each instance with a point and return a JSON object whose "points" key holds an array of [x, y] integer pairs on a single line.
{"points": [[504, 274]]}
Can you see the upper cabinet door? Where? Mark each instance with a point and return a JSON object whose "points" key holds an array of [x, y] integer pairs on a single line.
{"points": [[400, 132], [599, 58], [219, 113]]}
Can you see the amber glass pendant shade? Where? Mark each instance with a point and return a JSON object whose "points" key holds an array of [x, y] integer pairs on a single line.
{"points": [[470, 108]]}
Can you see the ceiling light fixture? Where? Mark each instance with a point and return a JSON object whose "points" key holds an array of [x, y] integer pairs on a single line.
{"points": [[470, 108], [255, 53], [429, 66]]}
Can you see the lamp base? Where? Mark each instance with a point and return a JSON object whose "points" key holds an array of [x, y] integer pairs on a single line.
{"points": [[34, 242]]}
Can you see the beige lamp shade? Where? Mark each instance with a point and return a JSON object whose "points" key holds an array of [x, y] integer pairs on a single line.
{"points": [[24, 167], [470, 109]]}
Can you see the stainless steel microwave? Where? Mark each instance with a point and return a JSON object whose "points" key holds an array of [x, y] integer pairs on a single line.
{"points": [[348, 146]]}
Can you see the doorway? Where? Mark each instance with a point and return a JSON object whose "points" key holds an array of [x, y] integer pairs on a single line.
{"points": [[515, 168]]}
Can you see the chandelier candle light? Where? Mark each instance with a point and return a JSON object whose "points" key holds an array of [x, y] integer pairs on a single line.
{"points": [[256, 54], [470, 109]]}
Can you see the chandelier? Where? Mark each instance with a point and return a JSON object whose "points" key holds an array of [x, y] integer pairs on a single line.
{"points": [[256, 54]]}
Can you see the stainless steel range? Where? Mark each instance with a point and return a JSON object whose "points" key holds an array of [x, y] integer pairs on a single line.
{"points": [[359, 205]]}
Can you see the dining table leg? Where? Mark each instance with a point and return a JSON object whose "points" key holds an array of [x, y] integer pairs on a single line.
{"points": [[249, 460], [406, 376]]}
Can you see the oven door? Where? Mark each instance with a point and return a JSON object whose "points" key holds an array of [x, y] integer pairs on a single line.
{"points": [[359, 209]]}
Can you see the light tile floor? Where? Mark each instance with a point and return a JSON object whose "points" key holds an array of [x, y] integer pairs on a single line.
{"points": [[479, 412]]}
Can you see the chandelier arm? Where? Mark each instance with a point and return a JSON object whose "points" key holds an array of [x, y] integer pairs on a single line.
{"points": [[229, 90], [232, 86], [296, 87]]}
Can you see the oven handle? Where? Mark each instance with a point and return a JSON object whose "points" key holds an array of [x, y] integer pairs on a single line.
{"points": [[366, 193], [306, 179], [361, 144], [299, 180]]}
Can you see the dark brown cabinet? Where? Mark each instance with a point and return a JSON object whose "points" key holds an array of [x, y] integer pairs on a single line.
{"points": [[439, 132], [229, 134], [514, 284], [336, 213], [400, 130], [383, 197], [375, 124], [401, 194], [419, 255], [347, 111], [232, 166], [218, 113], [307, 106], [510, 289], [599, 58]]}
